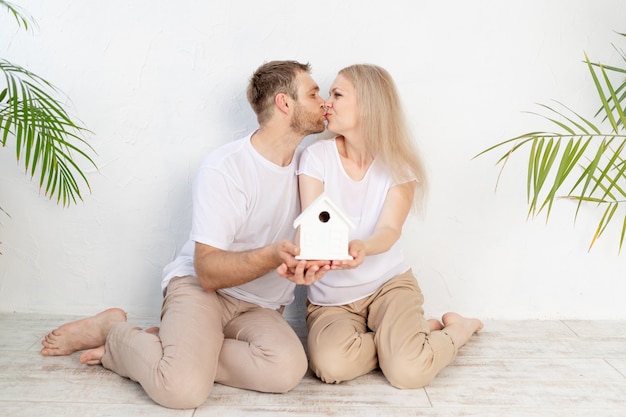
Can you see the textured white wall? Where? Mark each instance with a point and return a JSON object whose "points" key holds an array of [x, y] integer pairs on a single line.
{"points": [[162, 83]]}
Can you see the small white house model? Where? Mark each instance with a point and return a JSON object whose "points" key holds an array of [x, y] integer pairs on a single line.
{"points": [[324, 231]]}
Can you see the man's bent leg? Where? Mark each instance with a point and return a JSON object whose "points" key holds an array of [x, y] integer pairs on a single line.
{"points": [[261, 352], [177, 366]]}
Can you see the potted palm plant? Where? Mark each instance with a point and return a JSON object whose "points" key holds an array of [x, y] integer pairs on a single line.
{"points": [[584, 158], [47, 140]]}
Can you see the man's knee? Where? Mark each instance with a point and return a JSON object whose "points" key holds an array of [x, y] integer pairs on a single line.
{"points": [[183, 392], [293, 365], [404, 376], [182, 400]]}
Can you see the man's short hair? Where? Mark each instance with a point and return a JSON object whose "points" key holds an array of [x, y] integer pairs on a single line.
{"points": [[270, 79]]}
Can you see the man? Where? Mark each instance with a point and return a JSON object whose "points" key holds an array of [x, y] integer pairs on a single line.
{"points": [[221, 319]]}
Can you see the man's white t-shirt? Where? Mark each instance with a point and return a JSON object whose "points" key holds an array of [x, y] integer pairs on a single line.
{"points": [[362, 201], [242, 201]]}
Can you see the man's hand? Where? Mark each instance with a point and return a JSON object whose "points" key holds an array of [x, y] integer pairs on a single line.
{"points": [[301, 272], [305, 272]]}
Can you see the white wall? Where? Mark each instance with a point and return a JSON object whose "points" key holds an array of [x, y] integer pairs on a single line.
{"points": [[162, 83]]}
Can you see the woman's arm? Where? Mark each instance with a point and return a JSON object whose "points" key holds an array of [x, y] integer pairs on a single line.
{"points": [[392, 217], [388, 229], [310, 189]]}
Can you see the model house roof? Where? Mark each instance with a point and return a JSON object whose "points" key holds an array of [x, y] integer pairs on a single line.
{"points": [[321, 202]]}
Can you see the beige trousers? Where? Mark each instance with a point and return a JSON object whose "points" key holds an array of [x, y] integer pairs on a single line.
{"points": [[206, 337], [387, 330]]}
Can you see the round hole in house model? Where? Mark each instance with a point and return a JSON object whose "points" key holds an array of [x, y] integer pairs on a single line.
{"points": [[324, 216]]}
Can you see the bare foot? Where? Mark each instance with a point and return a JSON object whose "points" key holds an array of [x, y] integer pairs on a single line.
{"points": [[435, 324], [92, 356], [460, 328], [153, 330], [82, 334]]}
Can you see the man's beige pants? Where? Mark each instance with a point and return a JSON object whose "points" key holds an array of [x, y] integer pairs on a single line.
{"points": [[206, 337], [387, 330]]}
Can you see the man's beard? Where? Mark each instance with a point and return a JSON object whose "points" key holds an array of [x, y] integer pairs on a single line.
{"points": [[306, 123]]}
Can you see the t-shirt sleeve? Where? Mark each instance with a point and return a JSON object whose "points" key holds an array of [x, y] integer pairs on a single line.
{"points": [[218, 207], [311, 162]]}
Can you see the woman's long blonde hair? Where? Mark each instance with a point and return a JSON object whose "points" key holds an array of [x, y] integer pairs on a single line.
{"points": [[383, 125]]}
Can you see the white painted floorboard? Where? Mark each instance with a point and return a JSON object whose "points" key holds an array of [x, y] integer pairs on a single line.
{"points": [[512, 369]]}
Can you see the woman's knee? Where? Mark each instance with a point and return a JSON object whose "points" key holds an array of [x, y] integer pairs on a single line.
{"points": [[330, 373], [330, 364]]}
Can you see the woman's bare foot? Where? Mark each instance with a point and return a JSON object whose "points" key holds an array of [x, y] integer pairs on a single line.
{"points": [[82, 334], [460, 328], [434, 324], [92, 356]]}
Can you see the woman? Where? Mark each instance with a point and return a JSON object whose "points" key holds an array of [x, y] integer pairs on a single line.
{"points": [[367, 312]]}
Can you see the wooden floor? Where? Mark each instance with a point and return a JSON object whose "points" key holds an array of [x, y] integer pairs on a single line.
{"points": [[513, 368]]}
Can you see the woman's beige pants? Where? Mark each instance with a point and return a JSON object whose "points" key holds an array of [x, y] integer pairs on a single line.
{"points": [[387, 330]]}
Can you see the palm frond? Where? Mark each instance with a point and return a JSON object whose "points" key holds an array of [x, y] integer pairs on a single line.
{"points": [[46, 138], [621, 89], [20, 15], [581, 160]]}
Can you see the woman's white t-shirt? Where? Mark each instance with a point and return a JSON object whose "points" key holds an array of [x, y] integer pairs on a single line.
{"points": [[362, 201]]}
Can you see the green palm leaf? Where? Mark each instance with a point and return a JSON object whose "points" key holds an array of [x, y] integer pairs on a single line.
{"points": [[598, 150], [22, 18], [47, 140]]}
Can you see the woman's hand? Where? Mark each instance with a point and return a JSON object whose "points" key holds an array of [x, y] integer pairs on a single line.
{"points": [[356, 249]]}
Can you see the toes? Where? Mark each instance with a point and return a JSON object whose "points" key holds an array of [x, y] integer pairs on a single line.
{"points": [[92, 356], [481, 325], [49, 340], [50, 352]]}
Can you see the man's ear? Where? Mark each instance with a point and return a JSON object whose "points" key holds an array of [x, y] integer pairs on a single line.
{"points": [[282, 102]]}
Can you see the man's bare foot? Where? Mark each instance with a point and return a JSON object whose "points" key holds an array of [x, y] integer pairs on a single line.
{"points": [[82, 334], [153, 330], [460, 328], [92, 356], [434, 324]]}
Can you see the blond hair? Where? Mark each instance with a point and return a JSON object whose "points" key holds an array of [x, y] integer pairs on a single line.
{"points": [[383, 125]]}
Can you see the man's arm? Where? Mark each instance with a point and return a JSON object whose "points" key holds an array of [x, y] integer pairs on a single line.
{"points": [[217, 268]]}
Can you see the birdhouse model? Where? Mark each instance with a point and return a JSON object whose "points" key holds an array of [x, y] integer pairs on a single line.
{"points": [[324, 231]]}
